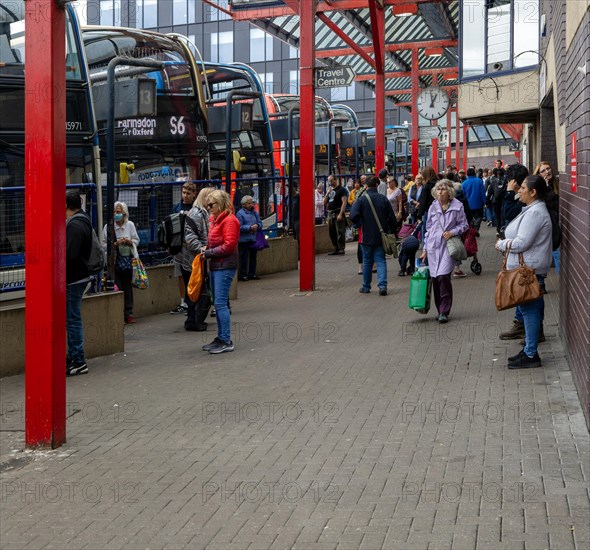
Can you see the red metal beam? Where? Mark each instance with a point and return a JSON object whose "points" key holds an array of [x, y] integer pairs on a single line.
{"points": [[307, 146], [377, 30], [398, 46], [513, 130], [434, 142], [415, 120], [449, 88], [334, 28], [45, 230], [408, 74]]}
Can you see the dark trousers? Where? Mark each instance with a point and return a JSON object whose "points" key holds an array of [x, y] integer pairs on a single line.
{"points": [[337, 231], [407, 255], [498, 213], [443, 293], [247, 259], [123, 280], [191, 312], [477, 217], [359, 253]]}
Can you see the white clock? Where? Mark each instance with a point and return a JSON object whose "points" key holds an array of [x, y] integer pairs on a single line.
{"points": [[433, 103]]}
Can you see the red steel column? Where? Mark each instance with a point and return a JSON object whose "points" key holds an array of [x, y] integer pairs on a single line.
{"points": [[435, 140], [465, 130], [457, 139], [379, 122], [415, 119], [307, 12], [45, 235], [450, 135]]}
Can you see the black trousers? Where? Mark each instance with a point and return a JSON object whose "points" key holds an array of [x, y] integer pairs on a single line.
{"points": [[123, 280], [247, 256], [337, 231]]}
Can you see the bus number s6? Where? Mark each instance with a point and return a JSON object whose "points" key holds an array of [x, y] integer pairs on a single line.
{"points": [[177, 126]]}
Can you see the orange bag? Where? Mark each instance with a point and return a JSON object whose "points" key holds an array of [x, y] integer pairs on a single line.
{"points": [[195, 283]]}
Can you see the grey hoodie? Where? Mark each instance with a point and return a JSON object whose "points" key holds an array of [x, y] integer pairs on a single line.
{"points": [[530, 233]]}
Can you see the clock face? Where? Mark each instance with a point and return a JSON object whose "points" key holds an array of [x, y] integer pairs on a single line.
{"points": [[433, 103]]}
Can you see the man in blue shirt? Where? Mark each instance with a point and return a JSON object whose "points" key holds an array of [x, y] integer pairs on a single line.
{"points": [[475, 192]]}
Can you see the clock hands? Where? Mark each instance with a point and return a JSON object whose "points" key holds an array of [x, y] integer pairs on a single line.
{"points": [[432, 100]]}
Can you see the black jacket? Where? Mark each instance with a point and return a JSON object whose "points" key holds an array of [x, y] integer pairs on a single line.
{"points": [[426, 198], [361, 215], [78, 246]]}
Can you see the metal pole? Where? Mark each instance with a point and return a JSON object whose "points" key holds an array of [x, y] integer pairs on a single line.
{"points": [[111, 154], [292, 111]]}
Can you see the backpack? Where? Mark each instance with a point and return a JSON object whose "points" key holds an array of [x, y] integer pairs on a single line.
{"points": [[171, 232], [96, 260]]}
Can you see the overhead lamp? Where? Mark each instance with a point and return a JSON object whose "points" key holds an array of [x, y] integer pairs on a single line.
{"points": [[436, 51], [405, 10]]}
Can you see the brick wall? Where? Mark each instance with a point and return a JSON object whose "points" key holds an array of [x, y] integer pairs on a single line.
{"points": [[574, 111]]}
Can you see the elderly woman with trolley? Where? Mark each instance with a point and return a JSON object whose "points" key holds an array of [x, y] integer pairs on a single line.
{"points": [[446, 219]]}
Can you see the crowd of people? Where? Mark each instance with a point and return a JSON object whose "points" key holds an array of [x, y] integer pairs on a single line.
{"points": [[523, 207]]}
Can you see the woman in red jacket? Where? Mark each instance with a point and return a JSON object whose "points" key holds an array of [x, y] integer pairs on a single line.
{"points": [[222, 253]]}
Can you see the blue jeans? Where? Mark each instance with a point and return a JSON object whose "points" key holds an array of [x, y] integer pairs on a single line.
{"points": [[518, 312], [374, 254], [221, 281], [74, 293], [556, 258]]}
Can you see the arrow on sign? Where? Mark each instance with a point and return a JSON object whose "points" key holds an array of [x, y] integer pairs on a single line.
{"points": [[431, 132], [334, 77]]}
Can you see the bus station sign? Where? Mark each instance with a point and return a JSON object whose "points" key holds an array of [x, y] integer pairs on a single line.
{"points": [[334, 77]]}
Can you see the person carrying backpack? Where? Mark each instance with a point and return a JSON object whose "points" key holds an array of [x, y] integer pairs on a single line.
{"points": [[78, 248]]}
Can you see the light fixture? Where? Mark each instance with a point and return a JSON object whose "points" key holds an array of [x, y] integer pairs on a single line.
{"points": [[435, 51], [405, 10]]}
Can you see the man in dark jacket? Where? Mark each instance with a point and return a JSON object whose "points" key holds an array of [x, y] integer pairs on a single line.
{"points": [[362, 216], [511, 205], [78, 246]]}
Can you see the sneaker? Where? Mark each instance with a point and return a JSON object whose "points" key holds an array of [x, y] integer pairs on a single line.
{"points": [[517, 331], [489, 223], [213, 344], [516, 357], [401, 273], [364, 290], [525, 362], [383, 292], [334, 253], [69, 363], [242, 278], [458, 274], [129, 320], [540, 340], [179, 309], [222, 347], [213, 314], [193, 327], [77, 368], [442, 319], [254, 278]]}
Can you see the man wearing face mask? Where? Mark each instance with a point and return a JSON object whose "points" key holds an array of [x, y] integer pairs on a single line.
{"points": [[250, 224], [78, 246]]}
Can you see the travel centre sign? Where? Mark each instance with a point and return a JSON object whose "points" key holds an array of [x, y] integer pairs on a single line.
{"points": [[334, 77]]}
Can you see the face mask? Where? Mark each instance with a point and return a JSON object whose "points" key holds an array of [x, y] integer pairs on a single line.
{"points": [[118, 217]]}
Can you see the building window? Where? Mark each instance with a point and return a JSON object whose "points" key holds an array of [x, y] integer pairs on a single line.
{"points": [[293, 82], [343, 93], [293, 52], [136, 19], [150, 14], [267, 80], [222, 47], [213, 14], [179, 15], [498, 36], [260, 45], [110, 13]]}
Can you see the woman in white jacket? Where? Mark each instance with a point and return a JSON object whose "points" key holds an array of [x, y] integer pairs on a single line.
{"points": [[530, 234]]}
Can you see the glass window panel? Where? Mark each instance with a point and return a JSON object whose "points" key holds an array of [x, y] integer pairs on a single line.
{"points": [[499, 33], [526, 33], [482, 133], [472, 136], [192, 11], [226, 47], [213, 14], [267, 80], [214, 41], [150, 13], [338, 93], [473, 37], [138, 14], [293, 52], [293, 82], [106, 12], [495, 131], [179, 16]]}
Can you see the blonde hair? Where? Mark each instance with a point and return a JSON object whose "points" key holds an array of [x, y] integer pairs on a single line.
{"points": [[223, 199], [203, 197]]}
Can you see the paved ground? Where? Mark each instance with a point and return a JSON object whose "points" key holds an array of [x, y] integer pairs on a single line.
{"points": [[341, 421]]}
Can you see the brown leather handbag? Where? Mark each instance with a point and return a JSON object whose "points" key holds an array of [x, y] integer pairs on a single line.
{"points": [[516, 286]]}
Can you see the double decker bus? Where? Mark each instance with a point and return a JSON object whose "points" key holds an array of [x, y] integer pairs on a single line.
{"points": [[81, 152], [165, 148], [250, 137]]}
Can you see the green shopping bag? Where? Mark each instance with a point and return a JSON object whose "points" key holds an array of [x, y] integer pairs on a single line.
{"points": [[420, 287]]}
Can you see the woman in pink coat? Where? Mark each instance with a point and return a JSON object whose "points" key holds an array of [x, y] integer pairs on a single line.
{"points": [[446, 219]]}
